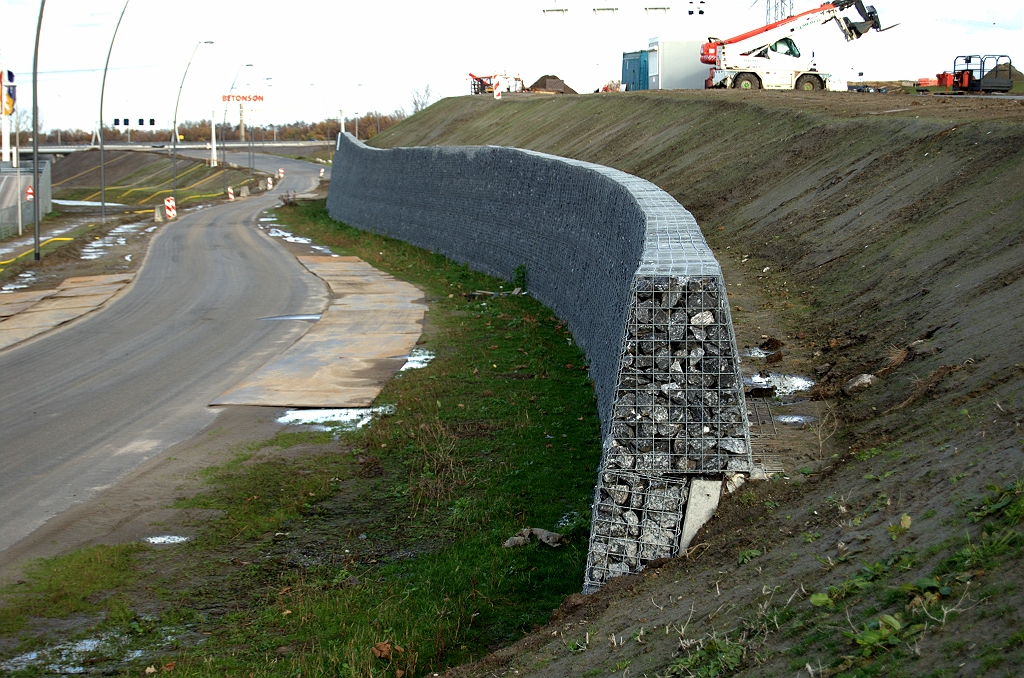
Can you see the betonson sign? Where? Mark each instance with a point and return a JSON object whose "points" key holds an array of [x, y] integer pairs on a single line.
{"points": [[241, 97]]}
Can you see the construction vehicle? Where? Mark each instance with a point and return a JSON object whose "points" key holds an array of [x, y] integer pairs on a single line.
{"points": [[979, 74], [485, 84], [768, 58]]}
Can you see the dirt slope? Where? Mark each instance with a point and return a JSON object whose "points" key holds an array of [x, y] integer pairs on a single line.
{"points": [[82, 169], [883, 234]]}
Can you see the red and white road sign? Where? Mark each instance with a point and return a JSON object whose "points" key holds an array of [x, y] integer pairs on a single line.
{"points": [[30, 194], [321, 172], [231, 193], [169, 209], [270, 183], [280, 173]]}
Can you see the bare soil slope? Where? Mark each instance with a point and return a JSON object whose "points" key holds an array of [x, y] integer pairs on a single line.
{"points": [[883, 232], [82, 168]]}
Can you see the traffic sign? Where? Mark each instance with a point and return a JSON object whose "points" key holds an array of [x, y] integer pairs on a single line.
{"points": [[30, 195]]}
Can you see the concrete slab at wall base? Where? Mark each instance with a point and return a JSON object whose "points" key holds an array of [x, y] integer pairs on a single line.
{"points": [[703, 502], [347, 356], [628, 270]]}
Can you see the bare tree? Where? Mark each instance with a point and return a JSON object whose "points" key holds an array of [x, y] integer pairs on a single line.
{"points": [[420, 100]]}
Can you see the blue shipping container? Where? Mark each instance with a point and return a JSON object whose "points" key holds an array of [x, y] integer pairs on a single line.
{"points": [[634, 70]]}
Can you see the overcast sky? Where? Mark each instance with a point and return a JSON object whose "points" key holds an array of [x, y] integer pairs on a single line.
{"points": [[313, 57]]}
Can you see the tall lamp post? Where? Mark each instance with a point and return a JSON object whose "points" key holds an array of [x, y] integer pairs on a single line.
{"points": [[174, 126], [224, 148], [35, 128], [103, 87]]}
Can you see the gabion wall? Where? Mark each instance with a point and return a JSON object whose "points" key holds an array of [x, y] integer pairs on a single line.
{"points": [[626, 267]]}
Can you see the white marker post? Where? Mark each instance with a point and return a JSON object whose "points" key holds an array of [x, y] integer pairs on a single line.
{"points": [[270, 183], [231, 194], [213, 145], [169, 208], [280, 173], [30, 194]]}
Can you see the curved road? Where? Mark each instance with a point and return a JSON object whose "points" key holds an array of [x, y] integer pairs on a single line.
{"points": [[84, 405]]}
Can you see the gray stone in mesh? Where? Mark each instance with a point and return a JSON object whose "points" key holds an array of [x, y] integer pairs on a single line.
{"points": [[628, 270]]}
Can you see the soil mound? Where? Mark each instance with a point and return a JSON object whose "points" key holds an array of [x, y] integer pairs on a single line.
{"points": [[551, 83]]}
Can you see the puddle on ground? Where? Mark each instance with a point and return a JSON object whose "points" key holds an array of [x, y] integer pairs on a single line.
{"points": [[297, 316], [417, 359], [72, 657], [28, 240], [785, 384], [346, 419], [794, 419], [288, 237], [84, 203], [166, 539], [115, 238], [24, 280]]}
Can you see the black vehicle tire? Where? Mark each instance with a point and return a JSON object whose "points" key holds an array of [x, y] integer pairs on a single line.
{"points": [[746, 81], [809, 83]]}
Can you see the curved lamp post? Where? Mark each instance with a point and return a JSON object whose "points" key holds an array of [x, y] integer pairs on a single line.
{"points": [[103, 87], [223, 125], [35, 129], [174, 126]]}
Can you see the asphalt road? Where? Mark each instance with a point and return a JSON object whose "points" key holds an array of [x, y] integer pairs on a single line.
{"points": [[86, 404]]}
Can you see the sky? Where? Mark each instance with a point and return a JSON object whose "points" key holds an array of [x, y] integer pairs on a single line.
{"points": [[313, 58]]}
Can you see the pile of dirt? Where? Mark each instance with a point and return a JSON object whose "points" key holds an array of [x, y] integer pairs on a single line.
{"points": [[547, 84], [1006, 71], [849, 225]]}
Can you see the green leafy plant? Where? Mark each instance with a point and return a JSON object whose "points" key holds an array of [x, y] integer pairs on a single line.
{"points": [[519, 277], [746, 556], [712, 657], [897, 530], [882, 633]]}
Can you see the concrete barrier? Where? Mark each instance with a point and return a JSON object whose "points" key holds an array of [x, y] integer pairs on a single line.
{"points": [[626, 267]]}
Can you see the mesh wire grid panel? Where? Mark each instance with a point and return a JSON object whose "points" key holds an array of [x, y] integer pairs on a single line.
{"points": [[637, 519]]}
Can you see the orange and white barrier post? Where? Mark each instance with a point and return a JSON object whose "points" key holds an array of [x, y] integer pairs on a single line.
{"points": [[169, 209], [280, 173], [321, 172], [270, 183]]}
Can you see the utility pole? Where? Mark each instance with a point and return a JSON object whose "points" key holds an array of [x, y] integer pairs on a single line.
{"points": [[35, 130], [103, 88], [241, 121]]}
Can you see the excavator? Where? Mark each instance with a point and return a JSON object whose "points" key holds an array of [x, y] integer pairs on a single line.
{"points": [[768, 58]]}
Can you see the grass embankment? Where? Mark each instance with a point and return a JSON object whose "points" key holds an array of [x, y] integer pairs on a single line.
{"points": [[390, 534]]}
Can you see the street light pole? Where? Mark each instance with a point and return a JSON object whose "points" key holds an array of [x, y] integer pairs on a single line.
{"points": [[35, 130], [223, 133], [103, 87], [174, 126]]}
